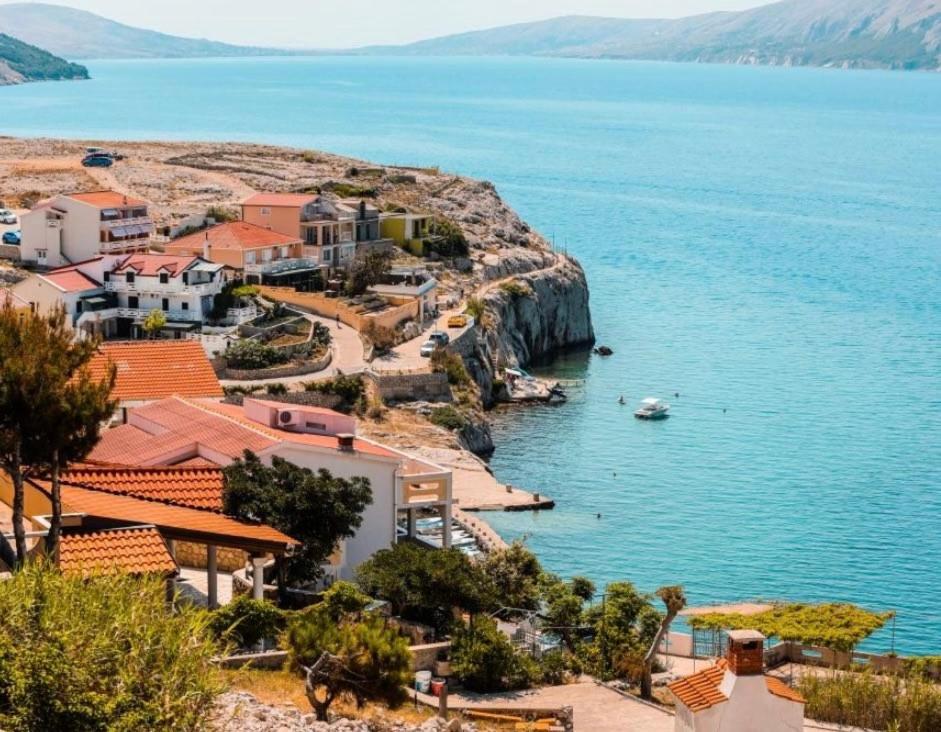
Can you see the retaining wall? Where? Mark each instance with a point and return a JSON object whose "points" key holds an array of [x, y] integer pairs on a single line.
{"points": [[276, 372], [331, 307], [419, 386]]}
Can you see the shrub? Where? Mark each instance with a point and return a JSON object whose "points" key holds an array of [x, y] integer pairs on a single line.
{"points": [[321, 335], [253, 355], [450, 240], [244, 622], [102, 653], [485, 660], [515, 572], [515, 289], [342, 600], [244, 291], [309, 156], [349, 388], [221, 214], [380, 336], [443, 361], [448, 417], [276, 389]]}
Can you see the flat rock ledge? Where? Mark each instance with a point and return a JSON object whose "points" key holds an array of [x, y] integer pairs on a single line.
{"points": [[241, 712]]}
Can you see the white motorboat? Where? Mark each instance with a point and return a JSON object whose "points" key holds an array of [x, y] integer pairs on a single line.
{"points": [[652, 408]]}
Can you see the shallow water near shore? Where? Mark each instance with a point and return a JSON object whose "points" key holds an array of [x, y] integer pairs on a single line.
{"points": [[765, 242]]}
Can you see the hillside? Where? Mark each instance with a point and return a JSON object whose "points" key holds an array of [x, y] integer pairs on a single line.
{"points": [[892, 34], [78, 34], [21, 62]]}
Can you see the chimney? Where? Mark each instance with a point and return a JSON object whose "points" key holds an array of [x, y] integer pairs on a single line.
{"points": [[746, 655], [345, 442], [206, 246]]}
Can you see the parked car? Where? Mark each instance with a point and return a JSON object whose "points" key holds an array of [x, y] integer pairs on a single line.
{"points": [[457, 321], [7, 217], [427, 348], [440, 337], [11, 237], [98, 160]]}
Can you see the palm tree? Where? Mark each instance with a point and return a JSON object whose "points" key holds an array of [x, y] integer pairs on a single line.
{"points": [[675, 600]]}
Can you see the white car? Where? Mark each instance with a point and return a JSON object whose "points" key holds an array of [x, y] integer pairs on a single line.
{"points": [[427, 348], [7, 216]]}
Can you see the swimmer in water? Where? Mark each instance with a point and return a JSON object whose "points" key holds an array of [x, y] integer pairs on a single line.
{"points": [[621, 399]]}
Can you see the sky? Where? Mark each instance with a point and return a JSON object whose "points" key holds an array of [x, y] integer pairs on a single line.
{"points": [[350, 23]]}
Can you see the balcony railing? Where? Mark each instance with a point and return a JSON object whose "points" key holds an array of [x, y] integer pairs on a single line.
{"points": [[281, 265], [181, 316], [142, 285], [237, 316]]}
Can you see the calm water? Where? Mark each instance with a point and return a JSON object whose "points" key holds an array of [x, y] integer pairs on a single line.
{"points": [[765, 242]]}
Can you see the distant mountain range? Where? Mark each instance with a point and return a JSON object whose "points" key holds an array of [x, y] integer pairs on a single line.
{"points": [[891, 34], [78, 34], [21, 62]]}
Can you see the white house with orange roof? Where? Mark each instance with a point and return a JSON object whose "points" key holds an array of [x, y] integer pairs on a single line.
{"points": [[736, 695], [74, 227], [113, 294], [179, 431]]}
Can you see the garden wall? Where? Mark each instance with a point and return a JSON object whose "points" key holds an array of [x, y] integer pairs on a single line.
{"points": [[275, 372], [419, 386]]}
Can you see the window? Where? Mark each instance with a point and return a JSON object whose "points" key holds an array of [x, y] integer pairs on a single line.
{"points": [[266, 255], [129, 278], [249, 257], [318, 426], [265, 211], [326, 255], [40, 254], [285, 252], [132, 303], [165, 304], [186, 278], [107, 277], [186, 306], [164, 278]]}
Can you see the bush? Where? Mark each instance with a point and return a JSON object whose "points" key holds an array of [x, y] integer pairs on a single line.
{"points": [[450, 241], [485, 660], [448, 417], [276, 389], [351, 389], [103, 653], [558, 667], [221, 214], [907, 703], [321, 335], [244, 622], [244, 291], [342, 600], [253, 355], [380, 336], [515, 289], [443, 361]]}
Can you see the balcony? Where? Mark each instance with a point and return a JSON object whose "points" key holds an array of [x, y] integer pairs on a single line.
{"points": [[279, 266], [143, 285], [173, 316]]}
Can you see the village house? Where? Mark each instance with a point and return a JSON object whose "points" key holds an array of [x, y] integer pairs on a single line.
{"points": [[407, 284], [407, 229], [112, 295], [78, 226], [191, 432], [735, 695], [147, 371], [327, 229], [255, 254]]}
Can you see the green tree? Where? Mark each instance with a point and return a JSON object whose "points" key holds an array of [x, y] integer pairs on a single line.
{"points": [[515, 573], [425, 585], [104, 652], [583, 587], [155, 322], [675, 600], [625, 623], [245, 621], [485, 660], [564, 610], [51, 409], [366, 270], [317, 509], [364, 659]]}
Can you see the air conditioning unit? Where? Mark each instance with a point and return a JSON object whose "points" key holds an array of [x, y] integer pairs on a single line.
{"points": [[289, 418]]}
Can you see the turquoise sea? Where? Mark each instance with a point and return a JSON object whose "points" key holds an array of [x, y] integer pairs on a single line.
{"points": [[764, 242]]}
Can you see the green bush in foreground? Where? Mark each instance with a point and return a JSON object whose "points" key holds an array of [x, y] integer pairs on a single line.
{"points": [[244, 621], [254, 355], [104, 653], [485, 660], [902, 704]]}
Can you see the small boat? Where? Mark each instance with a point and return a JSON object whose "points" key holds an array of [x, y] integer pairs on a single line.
{"points": [[652, 408]]}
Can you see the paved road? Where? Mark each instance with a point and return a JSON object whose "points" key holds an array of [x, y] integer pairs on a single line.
{"points": [[407, 356]]}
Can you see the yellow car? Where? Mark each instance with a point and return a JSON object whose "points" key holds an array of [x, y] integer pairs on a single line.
{"points": [[457, 321]]}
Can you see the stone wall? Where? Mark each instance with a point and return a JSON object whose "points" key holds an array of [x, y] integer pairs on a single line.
{"points": [[194, 555], [10, 251], [275, 372], [419, 386], [423, 657], [332, 307]]}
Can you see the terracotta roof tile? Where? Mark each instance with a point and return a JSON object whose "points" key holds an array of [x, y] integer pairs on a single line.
{"points": [[157, 369], [290, 200], [150, 265], [106, 199], [70, 279], [139, 550], [232, 235], [701, 690], [181, 486], [175, 520], [779, 688]]}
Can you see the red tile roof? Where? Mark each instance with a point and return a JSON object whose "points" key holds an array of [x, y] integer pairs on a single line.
{"points": [[150, 265], [70, 279], [236, 235], [150, 370], [180, 486], [779, 688], [138, 550], [701, 690], [175, 429], [176, 521], [106, 199], [275, 200]]}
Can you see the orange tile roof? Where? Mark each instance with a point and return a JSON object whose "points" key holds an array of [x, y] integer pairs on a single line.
{"points": [[701, 690], [236, 235], [106, 199], [138, 550], [180, 486], [289, 200], [176, 429], [779, 688], [157, 369], [150, 265], [70, 279], [176, 521]]}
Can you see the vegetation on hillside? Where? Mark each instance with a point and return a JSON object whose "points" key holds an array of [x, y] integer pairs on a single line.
{"points": [[35, 64]]}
